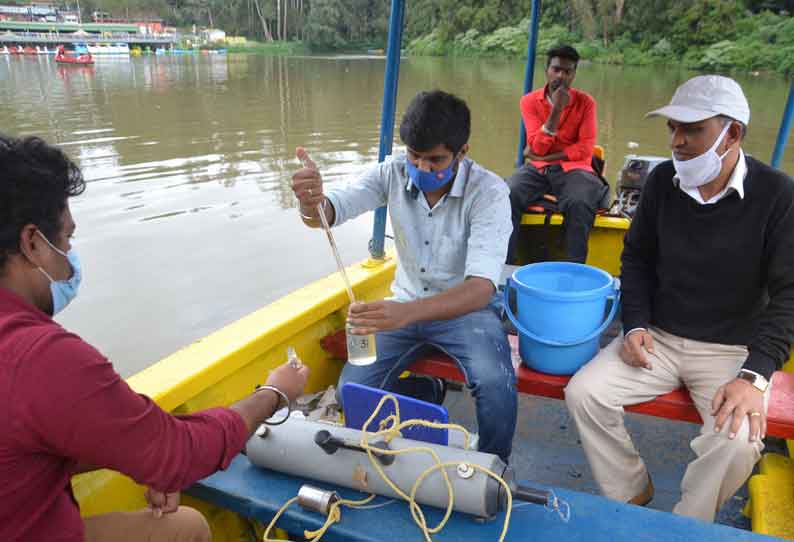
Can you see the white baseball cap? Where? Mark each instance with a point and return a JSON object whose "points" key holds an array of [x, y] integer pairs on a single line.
{"points": [[706, 96]]}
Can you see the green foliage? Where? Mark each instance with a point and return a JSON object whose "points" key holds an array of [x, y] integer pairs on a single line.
{"points": [[487, 18], [705, 22], [275, 48], [701, 34], [468, 43], [551, 36], [325, 28], [430, 45], [510, 40]]}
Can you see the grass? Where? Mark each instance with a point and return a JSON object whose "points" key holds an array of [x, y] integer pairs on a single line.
{"points": [[274, 48]]}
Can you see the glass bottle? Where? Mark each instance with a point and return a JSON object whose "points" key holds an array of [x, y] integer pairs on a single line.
{"points": [[360, 348]]}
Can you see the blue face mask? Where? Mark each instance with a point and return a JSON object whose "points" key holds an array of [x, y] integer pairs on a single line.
{"points": [[64, 291], [429, 181]]}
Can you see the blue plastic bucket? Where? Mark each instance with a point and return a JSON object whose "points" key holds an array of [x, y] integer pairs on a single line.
{"points": [[561, 308]]}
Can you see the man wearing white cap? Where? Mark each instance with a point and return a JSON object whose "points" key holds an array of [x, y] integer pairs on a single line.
{"points": [[708, 302]]}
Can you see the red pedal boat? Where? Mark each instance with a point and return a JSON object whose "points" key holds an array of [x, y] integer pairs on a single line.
{"points": [[70, 57]]}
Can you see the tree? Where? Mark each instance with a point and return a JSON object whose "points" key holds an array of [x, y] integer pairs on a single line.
{"points": [[265, 27], [586, 16], [325, 26]]}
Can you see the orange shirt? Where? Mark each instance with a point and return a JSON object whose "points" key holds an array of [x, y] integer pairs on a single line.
{"points": [[576, 131]]}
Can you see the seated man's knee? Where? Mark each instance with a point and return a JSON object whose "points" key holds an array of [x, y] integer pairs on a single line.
{"points": [[495, 382], [494, 377], [521, 178], [517, 197], [191, 526], [514, 180], [578, 392], [740, 445], [578, 204]]}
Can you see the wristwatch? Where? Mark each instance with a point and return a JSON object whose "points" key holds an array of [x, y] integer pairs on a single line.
{"points": [[754, 378]]}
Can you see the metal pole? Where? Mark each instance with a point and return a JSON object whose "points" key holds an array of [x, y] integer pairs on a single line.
{"points": [[391, 79], [529, 75], [785, 128]]}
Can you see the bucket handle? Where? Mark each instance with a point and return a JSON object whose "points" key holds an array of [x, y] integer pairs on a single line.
{"points": [[521, 329]]}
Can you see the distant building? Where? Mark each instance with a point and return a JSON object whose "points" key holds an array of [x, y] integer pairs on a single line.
{"points": [[101, 17], [42, 12], [35, 11], [213, 35], [145, 25], [45, 17]]}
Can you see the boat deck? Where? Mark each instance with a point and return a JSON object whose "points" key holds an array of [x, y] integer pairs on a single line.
{"points": [[257, 494], [546, 450]]}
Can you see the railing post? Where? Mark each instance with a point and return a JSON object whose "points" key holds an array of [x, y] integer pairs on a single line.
{"points": [[785, 128], [391, 78], [529, 75]]}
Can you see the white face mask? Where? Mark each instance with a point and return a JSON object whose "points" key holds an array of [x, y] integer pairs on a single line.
{"points": [[701, 169]]}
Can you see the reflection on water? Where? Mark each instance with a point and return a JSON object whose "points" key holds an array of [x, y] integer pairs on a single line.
{"points": [[189, 223]]}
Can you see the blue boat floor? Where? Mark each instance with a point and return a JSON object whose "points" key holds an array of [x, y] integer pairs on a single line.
{"points": [[546, 449]]}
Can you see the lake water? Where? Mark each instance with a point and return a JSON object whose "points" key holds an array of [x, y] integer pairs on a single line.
{"points": [[188, 222]]}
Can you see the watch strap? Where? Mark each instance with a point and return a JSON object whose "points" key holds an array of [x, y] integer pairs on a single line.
{"points": [[757, 380]]}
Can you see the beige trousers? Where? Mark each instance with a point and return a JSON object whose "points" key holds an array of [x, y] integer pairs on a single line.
{"points": [[597, 393], [184, 525]]}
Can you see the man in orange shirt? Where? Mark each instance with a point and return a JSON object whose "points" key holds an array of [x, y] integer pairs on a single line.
{"points": [[560, 122]]}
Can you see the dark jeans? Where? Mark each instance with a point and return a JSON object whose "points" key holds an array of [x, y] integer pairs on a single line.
{"points": [[478, 343], [578, 193]]}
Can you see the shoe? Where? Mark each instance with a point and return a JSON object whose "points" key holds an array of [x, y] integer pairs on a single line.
{"points": [[440, 387], [645, 496], [427, 388]]}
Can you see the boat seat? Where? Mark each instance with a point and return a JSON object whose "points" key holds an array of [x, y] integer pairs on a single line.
{"points": [[676, 405], [771, 504]]}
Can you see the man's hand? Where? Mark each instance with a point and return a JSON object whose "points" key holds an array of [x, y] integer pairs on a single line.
{"points": [[307, 184], [288, 379], [560, 97], [162, 503], [635, 346], [739, 398], [529, 155], [553, 157], [369, 318]]}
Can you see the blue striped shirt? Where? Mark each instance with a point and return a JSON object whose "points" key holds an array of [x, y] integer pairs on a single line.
{"points": [[464, 235]]}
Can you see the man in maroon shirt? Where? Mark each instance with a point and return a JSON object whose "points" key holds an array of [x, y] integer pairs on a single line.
{"points": [[560, 123], [63, 409]]}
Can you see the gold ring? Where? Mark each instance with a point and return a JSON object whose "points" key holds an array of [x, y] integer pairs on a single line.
{"points": [[751, 414], [310, 191]]}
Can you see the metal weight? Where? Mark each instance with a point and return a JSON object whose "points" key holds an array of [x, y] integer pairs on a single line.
{"points": [[316, 499]]}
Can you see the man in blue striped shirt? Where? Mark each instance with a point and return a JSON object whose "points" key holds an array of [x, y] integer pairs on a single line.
{"points": [[451, 223]]}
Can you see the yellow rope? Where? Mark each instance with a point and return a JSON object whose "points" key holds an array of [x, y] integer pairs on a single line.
{"points": [[389, 428], [266, 537], [389, 433], [487, 471], [334, 516]]}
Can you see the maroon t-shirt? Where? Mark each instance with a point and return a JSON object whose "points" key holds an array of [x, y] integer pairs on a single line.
{"points": [[63, 405]]}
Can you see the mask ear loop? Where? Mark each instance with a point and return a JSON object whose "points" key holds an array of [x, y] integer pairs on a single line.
{"points": [[53, 247], [721, 139], [45, 274], [56, 249]]}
